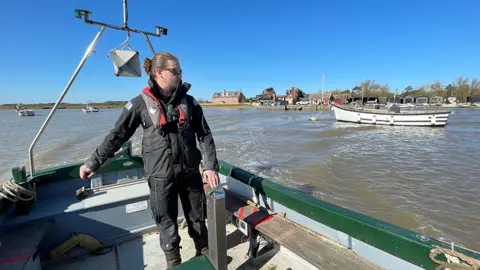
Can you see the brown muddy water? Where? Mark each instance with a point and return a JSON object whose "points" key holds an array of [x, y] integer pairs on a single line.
{"points": [[424, 179]]}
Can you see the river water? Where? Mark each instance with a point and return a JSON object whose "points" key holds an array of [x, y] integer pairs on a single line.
{"points": [[423, 179]]}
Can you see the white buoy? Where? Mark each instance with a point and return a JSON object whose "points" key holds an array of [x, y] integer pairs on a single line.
{"points": [[313, 118]]}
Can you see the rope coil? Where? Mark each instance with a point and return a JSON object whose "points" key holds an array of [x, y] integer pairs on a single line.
{"points": [[456, 260], [14, 192]]}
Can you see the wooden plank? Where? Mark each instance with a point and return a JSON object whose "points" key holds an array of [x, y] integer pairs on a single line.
{"points": [[319, 252], [310, 246]]}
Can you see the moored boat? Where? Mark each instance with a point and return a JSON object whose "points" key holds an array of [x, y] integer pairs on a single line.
{"points": [[393, 116], [24, 111], [89, 108]]}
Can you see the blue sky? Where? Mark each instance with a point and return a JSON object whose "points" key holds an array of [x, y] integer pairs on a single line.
{"points": [[247, 45]]}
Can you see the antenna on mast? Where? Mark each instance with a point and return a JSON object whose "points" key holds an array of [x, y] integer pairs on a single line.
{"points": [[85, 15]]}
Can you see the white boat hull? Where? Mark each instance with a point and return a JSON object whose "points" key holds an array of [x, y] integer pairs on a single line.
{"points": [[383, 117], [89, 110], [26, 112], [452, 105]]}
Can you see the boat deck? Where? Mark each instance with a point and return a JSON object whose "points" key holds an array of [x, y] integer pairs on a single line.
{"points": [[317, 250], [145, 253]]}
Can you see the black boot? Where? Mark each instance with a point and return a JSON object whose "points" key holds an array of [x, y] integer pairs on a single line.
{"points": [[173, 257], [198, 232], [203, 251]]}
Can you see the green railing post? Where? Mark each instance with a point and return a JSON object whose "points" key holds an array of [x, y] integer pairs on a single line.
{"points": [[19, 174]]}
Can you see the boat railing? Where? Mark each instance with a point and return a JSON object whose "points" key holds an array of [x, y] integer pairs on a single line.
{"points": [[411, 246]]}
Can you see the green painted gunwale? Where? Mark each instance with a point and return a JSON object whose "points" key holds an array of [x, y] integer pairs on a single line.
{"points": [[400, 242]]}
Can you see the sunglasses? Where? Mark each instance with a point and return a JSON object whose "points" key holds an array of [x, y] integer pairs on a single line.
{"points": [[175, 71]]}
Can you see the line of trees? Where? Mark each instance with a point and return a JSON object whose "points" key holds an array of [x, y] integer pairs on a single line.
{"points": [[460, 88]]}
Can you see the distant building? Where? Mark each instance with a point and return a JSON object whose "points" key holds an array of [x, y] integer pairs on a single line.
{"points": [[421, 100], [266, 95], [408, 100], [436, 100], [357, 92], [473, 99], [395, 100], [317, 98], [294, 94], [269, 91], [231, 97]]}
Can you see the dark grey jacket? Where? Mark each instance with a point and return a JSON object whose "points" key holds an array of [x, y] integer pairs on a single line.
{"points": [[169, 151]]}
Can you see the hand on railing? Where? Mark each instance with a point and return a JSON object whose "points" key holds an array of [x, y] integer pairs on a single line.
{"points": [[211, 177], [86, 173]]}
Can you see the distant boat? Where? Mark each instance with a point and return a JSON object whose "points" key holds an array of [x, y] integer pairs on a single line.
{"points": [[450, 105], [23, 111], [89, 108], [392, 117]]}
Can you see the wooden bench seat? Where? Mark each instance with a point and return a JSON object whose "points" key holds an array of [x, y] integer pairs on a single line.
{"points": [[310, 246]]}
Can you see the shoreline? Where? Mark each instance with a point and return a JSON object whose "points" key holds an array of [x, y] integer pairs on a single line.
{"points": [[117, 105], [276, 108], [48, 106]]}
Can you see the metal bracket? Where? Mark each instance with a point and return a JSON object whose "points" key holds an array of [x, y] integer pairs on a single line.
{"points": [[253, 243], [243, 227], [82, 14], [161, 30]]}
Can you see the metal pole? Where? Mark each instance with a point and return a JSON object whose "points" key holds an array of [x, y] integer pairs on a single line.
{"points": [[149, 44], [79, 67], [217, 234], [125, 14], [323, 81], [362, 95]]}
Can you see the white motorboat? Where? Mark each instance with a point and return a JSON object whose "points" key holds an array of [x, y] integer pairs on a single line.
{"points": [[23, 111], [89, 108], [392, 117], [26, 112]]}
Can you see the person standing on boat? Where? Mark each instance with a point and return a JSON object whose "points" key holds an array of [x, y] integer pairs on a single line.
{"points": [[171, 120]]}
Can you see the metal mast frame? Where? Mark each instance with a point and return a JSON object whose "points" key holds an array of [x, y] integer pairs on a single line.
{"points": [[85, 15]]}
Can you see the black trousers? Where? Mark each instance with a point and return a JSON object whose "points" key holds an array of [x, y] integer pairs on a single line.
{"points": [[164, 204]]}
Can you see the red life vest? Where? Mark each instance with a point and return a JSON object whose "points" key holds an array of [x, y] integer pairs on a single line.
{"points": [[162, 120]]}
